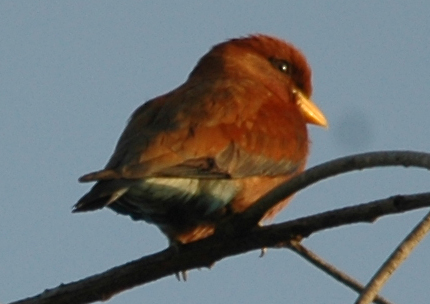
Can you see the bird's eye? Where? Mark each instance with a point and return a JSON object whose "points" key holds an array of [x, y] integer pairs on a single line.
{"points": [[282, 65]]}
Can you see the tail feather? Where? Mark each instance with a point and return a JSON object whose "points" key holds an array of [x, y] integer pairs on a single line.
{"points": [[101, 194], [85, 204]]}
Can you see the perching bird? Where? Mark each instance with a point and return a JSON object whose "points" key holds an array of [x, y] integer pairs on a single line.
{"points": [[211, 147]]}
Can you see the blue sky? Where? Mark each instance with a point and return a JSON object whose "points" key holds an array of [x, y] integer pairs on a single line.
{"points": [[71, 73]]}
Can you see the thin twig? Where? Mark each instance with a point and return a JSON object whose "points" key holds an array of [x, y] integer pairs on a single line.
{"points": [[394, 261], [253, 214], [331, 270]]}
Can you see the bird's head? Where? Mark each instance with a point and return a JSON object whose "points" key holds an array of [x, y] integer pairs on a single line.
{"points": [[277, 64]]}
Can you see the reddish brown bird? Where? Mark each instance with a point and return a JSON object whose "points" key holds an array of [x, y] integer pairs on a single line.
{"points": [[211, 147]]}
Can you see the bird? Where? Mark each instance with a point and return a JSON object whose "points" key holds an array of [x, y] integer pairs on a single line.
{"points": [[235, 129]]}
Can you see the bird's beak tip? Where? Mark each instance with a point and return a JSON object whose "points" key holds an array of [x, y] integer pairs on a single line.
{"points": [[310, 111], [321, 122]]}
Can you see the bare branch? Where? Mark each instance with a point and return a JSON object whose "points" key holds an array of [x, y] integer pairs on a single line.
{"points": [[331, 270], [394, 261], [240, 233], [329, 169], [206, 252]]}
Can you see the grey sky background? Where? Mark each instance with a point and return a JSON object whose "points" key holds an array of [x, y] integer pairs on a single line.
{"points": [[71, 73]]}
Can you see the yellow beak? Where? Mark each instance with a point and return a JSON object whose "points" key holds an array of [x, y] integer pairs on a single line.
{"points": [[309, 110]]}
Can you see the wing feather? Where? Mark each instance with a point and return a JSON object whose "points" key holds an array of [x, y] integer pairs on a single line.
{"points": [[208, 135]]}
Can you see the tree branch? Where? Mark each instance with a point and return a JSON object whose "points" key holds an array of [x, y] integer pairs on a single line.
{"points": [[206, 252], [394, 261], [240, 233], [332, 271], [253, 214]]}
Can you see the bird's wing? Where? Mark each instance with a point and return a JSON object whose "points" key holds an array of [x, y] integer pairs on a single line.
{"points": [[220, 129]]}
